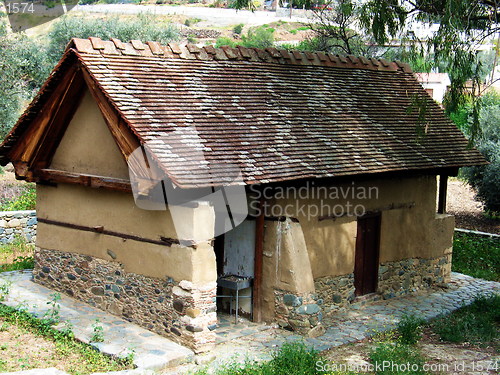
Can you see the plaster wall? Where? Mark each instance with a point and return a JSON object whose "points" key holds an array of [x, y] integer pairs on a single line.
{"points": [[88, 146], [406, 232]]}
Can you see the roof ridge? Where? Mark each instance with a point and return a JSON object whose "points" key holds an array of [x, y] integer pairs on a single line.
{"points": [[97, 46]]}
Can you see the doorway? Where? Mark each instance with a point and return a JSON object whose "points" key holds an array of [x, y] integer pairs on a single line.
{"points": [[235, 256], [367, 255]]}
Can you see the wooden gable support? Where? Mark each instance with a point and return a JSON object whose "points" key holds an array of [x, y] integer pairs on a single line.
{"points": [[37, 146]]}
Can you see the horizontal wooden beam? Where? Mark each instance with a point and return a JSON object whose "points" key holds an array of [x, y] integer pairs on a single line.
{"points": [[99, 229], [58, 176]]}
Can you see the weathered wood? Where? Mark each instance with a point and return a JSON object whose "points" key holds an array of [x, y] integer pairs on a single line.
{"points": [[100, 230], [26, 147], [58, 176], [61, 117]]}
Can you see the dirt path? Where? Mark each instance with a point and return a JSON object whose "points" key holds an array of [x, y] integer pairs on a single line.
{"points": [[468, 212]]}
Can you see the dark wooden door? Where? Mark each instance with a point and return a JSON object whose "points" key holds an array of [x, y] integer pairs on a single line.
{"points": [[367, 255]]}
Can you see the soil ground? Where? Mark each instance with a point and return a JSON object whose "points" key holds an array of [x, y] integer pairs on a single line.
{"points": [[443, 358], [468, 212]]}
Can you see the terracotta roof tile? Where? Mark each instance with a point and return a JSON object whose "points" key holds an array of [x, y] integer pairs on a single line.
{"points": [[277, 115]]}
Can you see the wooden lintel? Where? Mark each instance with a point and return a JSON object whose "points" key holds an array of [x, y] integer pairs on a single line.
{"points": [[58, 176]]}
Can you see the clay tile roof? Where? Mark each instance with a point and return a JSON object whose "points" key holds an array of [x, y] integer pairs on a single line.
{"points": [[276, 115]]}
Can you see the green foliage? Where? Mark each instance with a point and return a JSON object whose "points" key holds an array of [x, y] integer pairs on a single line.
{"points": [[260, 37], [191, 21], [485, 179], [25, 201], [24, 68], [257, 37], [398, 356], [238, 28], [225, 41], [91, 359], [410, 329], [97, 328], [51, 316], [291, 358], [144, 27], [478, 323], [477, 256], [4, 290], [19, 263]]}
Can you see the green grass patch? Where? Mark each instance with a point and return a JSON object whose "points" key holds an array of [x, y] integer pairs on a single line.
{"points": [[292, 358], [17, 255], [477, 256], [89, 359], [397, 358], [478, 323]]}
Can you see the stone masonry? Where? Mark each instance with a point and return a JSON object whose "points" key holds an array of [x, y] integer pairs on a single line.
{"points": [[301, 313], [18, 224], [395, 279], [181, 311]]}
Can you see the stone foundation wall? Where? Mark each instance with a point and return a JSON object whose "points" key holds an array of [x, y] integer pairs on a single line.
{"points": [[183, 312], [299, 312], [17, 224], [411, 275], [395, 279], [335, 291]]}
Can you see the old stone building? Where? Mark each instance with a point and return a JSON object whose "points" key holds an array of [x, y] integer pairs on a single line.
{"points": [[168, 177]]}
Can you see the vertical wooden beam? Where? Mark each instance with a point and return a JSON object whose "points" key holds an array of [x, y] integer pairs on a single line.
{"points": [[259, 249], [443, 188]]}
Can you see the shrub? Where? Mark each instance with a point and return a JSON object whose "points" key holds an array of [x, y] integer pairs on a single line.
{"points": [[485, 179], [410, 329], [225, 41], [260, 37], [142, 27], [25, 201], [238, 28]]}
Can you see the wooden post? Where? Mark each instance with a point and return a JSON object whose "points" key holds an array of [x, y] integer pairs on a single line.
{"points": [[443, 188], [259, 248]]}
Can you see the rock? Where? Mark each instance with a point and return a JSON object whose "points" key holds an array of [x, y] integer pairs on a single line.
{"points": [[14, 223], [297, 325], [319, 330], [175, 331], [211, 327], [193, 313], [32, 221], [281, 309], [192, 328], [45, 269], [111, 253], [308, 309], [97, 290], [71, 276], [178, 305], [3, 223], [292, 300], [337, 298]]}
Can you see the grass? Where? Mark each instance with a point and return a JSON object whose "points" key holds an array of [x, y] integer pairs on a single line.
{"points": [[477, 256], [477, 324], [292, 358], [73, 356], [397, 358], [17, 255]]}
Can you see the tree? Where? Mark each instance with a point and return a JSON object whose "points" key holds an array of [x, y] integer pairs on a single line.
{"points": [[464, 25]]}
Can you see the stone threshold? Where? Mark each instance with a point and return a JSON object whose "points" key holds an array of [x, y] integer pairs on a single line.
{"points": [[150, 351]]}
